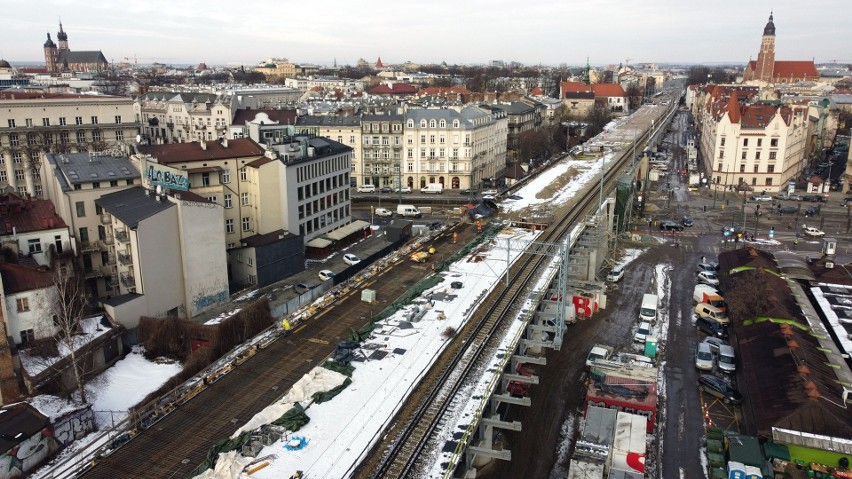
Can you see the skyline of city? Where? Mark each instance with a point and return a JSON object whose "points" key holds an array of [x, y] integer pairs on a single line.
{"points": [[471, 33]]}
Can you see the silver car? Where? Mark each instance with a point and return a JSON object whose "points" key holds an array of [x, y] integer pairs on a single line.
{"points": [[704, 357]]}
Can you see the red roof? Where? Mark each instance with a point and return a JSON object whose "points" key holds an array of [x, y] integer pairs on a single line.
{"points": [[608, 90], [442, 90], [379, 63], [284, 117], [394, 89], [536, 92], [183, 152], [734, 108], [757, 116], [18, 278], [795, 69], [260, 162], [574, 87], [31, 70], [25, 215]]}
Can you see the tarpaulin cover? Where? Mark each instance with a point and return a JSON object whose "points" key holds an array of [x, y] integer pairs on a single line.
{"points": [[294, 419]]}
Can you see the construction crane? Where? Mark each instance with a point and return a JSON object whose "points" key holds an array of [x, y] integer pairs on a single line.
{"points": [[137, 58]]}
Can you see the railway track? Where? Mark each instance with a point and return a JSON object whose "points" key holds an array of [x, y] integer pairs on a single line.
{"points": [[418, 419]]}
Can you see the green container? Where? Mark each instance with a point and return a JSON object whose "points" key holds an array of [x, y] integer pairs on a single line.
{"points": [[715, 445], [716, 459], [715, 433], [718, 473]]}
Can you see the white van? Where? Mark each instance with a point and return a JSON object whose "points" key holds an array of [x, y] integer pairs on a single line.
{"points": [[384, 213], [436, 188], [366, 189], [648, 309], [410, 211], [701, 290]]}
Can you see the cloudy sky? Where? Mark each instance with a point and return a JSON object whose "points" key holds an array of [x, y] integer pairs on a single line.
{"points": [[458, 31]]}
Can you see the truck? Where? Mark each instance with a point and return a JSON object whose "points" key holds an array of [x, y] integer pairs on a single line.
{"points": [[409, 211], [419, 257], [599, 351], [436, 188]]}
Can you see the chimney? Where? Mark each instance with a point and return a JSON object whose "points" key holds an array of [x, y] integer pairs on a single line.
{"points": [[203, 144], [224, 142]]}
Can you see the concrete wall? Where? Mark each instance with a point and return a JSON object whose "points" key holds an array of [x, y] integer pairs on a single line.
{"points": [[279, 260], [158, 271], [202, 249]]}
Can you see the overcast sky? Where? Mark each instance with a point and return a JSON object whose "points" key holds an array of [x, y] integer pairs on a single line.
{"points": [[459, 31]]}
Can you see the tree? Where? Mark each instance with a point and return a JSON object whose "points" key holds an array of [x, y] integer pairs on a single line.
{"points": [[597, 120], [67, 302]]}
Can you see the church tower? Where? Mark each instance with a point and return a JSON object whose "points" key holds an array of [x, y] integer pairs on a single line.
{"points": [[765, 64], [62, 37], [51, 55]]}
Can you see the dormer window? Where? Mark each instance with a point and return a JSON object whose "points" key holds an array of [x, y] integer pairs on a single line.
{"points": [[422, 123], [432, 123], [443, 124], [455, 123], [410, 124]]}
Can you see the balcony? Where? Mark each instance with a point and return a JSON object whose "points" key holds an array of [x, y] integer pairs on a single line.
{"points": [[110, 261], [127, 280], [106, 219], [107, 240], [89, 246], [125, 259], [90, 273], [121, 236]]}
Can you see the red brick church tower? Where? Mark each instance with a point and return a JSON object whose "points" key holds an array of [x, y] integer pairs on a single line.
{"points": [[766, 58]]}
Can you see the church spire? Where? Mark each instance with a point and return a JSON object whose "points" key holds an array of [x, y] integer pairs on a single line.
{"points": [[586, 73]]}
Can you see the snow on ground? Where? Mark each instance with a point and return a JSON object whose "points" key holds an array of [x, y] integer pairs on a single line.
{"points": [[566, 437], [587, 171], [116, 389], [342, 430], [227, 314], [628, 256]]}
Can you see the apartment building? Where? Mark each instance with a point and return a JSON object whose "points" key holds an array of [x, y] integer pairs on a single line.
{"points": [[73, 181], [345, 130], [381, 149], [523, 117], [757, 144], [34, 123], [32, 229], [455, 148], [169, 251], [172, 117]]}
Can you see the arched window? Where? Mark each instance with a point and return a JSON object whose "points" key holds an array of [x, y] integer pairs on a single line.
{"points": [[422, 123], [410, 124], [431, 123], [455, 123], [443, 124]]}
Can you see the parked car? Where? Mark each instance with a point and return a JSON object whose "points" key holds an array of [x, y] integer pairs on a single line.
{"points": [[615, 274], [788, 197], [489, 197], [761, 197], [705, 267], [303, 288], [599, 351], [788, 210], [404, 189], [366, 189], [813, 232], [670, 226], [714, 343], [468, 191], [326, 274], [490, 193], [726, 359], [812, 211], [706, 310], [643, 332], [703, 357], [708, 278], [686, 221], [384, 213], [846, 200], [716, 386], [351, 259], [515, 197], [385, 189], [711, 327]]}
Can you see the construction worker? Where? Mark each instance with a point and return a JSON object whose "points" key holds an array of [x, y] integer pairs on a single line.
{"points": [[455, 237], [479, 226]]}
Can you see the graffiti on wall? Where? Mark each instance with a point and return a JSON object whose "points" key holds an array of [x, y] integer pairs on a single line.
{"points": [[74, 426], [201, 300], [28, 454], [160, 175]]}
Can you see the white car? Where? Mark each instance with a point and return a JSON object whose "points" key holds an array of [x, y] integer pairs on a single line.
{"points": [[811, 231], [708, 278], [326, 275], [404, 189], [615, 274], [704, 357], [489, 197], [351, 259], [490, 193], [366, 189], [643, 332]]}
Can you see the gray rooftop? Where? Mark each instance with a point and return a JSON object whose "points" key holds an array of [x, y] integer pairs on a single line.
{"points": [[516, 108], [328, 121], [80, 168], [132, 205]]}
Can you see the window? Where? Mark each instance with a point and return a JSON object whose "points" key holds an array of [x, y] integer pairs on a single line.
{"points": [[249, 260], [772, 155], [13, 139], [64, 137], [753, 181], [22, 191], [96, 136], [205, 179], [17, 158], [34, 246], [742, 168], [757, 155], [760, 142], [769, 182], [770, 169], [81, 137], [29, 122], [744, 155], [23, 304], [229, 226], [251, 279], [19, 175], [745, 141], [3, 177], [243, 175], [81, 209], [96, 185], [45, 122], [723, 142], [119, 135], [118, 119], [94, 120], [211, 199], [62, 121], [78, 120], [756, 168], [113, 183], [27, 336], [11, 123], [773, 142], [244, 199], [246, 224], [226, 176]]}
